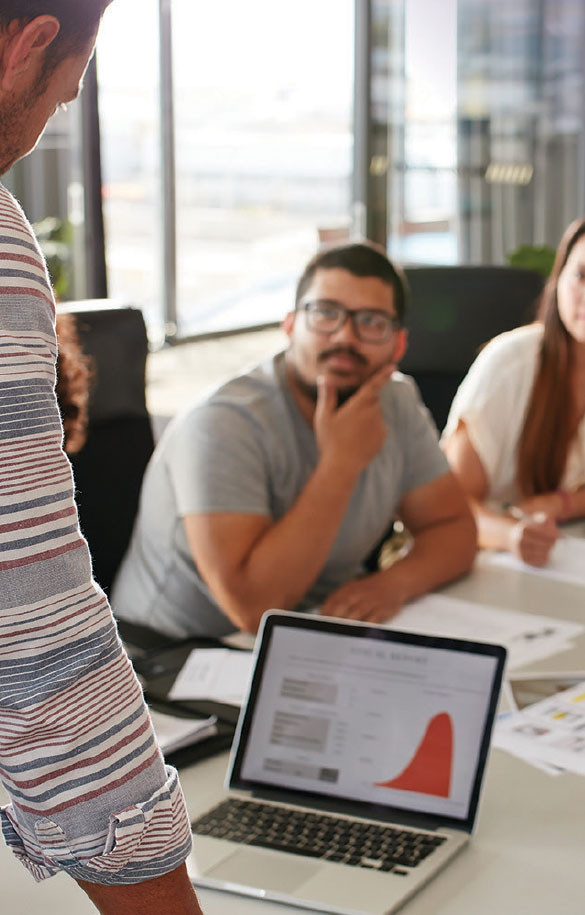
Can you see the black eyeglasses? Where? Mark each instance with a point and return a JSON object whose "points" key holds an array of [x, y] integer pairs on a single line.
{"points": [[370, 325]]}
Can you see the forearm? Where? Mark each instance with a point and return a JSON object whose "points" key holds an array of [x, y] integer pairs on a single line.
{"points": [[172, 893], [494, 529], [529, 531], [285, 561], [439, 554], [573, 504]]}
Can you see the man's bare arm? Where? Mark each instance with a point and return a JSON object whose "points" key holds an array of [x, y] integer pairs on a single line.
{"points": [[445, 543], [528, 538], [171, 894], [252, 564]]}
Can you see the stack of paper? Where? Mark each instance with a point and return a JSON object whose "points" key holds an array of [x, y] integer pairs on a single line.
{"points": [[550, 734], [566, 562], [175, 732], [218, 674], [527, 636]]}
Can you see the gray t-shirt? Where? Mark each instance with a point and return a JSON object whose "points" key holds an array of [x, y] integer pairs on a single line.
{"points": [[247, 449]]}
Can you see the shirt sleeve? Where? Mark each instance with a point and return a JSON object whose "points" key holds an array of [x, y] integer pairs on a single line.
{"points": [[89, 791], [492, 401], [422, 459], [218, 462]]}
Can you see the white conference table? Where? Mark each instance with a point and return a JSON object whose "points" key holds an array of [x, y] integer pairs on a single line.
{"points": [[526, 857]]}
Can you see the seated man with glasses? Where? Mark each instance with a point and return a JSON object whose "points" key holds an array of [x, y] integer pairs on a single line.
{"points": [[273, 492]]}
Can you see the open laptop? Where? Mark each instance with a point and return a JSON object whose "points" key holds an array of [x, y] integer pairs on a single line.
{"points": [[356, 767]]}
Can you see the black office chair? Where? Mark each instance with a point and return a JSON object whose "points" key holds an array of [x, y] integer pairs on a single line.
{"points": [[109, 469], [453, 311]]}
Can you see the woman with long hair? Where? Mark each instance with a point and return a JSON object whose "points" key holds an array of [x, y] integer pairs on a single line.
{"points": [[515, 436]]}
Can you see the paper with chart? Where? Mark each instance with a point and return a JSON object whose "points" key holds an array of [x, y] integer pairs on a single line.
{"points": [[527, 636], [567, 561], [218, 674], [551, 731]]}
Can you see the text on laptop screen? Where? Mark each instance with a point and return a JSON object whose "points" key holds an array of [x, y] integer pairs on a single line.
{"points": [[362, 719]]}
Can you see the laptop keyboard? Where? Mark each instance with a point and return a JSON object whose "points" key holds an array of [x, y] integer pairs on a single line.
{"points": [[315, 835]]}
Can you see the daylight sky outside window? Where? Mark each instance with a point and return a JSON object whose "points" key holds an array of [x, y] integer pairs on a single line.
{"points": [[263, 95], [430, 133], [264, 150], [127, 60]]}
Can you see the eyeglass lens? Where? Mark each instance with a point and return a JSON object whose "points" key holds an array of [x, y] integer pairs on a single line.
{"points": [[369, 325]]}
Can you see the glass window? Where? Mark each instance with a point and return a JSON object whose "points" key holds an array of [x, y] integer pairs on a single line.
{"points": [[422, 224], [521, 123], [128, 77], [263, 109], [486, 125], [48, 185]]}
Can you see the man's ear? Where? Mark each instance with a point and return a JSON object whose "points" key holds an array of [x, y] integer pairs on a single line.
{"points": [[24, 49], [400, 345]]}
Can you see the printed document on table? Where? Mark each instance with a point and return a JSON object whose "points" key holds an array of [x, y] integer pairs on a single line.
{"points": [[175, 732], [527, 636], [566, 563], [219, 674], [551, 731]]}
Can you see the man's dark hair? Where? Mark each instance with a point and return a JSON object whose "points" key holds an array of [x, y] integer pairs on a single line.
{"points": [[361, 259], [78, 19]]}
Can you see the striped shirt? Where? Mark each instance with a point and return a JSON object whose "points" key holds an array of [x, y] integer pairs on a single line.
{"points": [[89, 790]]}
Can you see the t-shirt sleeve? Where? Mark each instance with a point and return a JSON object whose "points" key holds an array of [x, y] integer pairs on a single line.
{"points": [[491, 401], [218, 462], [423, 460]]}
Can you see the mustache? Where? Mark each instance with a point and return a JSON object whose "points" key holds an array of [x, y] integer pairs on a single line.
{"points": [[345, 350]]}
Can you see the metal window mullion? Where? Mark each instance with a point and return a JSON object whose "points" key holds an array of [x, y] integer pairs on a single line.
{"points": [[362, 114], [168, 175], [96, 280]]}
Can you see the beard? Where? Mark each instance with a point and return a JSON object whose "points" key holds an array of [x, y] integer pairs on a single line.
{"points": [[10, 134], [14, 115], [310, 390]]}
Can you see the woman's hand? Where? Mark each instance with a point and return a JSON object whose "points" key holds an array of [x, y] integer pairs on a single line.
{"points": [[550, 504], [532, 539]]}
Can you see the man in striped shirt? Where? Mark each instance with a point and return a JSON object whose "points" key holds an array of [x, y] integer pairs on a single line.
{"points": [[89, 790]]}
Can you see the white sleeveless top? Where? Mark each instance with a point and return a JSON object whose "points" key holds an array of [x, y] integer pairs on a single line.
{"points": [[493, 400]]}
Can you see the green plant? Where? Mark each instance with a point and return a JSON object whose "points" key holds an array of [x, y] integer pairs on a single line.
{"points": [[55, 236], [533, 257]]}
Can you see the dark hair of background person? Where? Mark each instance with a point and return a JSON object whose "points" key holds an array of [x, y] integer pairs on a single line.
{"points": [[362, 259], [74, 378], [78, 19], [550, 423]]}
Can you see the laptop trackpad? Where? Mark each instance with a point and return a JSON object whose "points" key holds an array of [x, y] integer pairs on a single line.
{"points": [[264, 870]]}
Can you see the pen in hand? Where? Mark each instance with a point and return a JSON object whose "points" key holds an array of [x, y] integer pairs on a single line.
{"points": [[520, 515], [533, 536], [536, 518]]}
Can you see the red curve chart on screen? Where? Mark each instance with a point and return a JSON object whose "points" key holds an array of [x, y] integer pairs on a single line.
{"points": [[429, 771]]}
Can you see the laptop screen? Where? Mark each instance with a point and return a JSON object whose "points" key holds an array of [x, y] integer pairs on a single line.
{"points": [[362, 714]]}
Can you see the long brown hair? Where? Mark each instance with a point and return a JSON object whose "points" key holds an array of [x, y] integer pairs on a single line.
{"points": [[550, 420]]}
